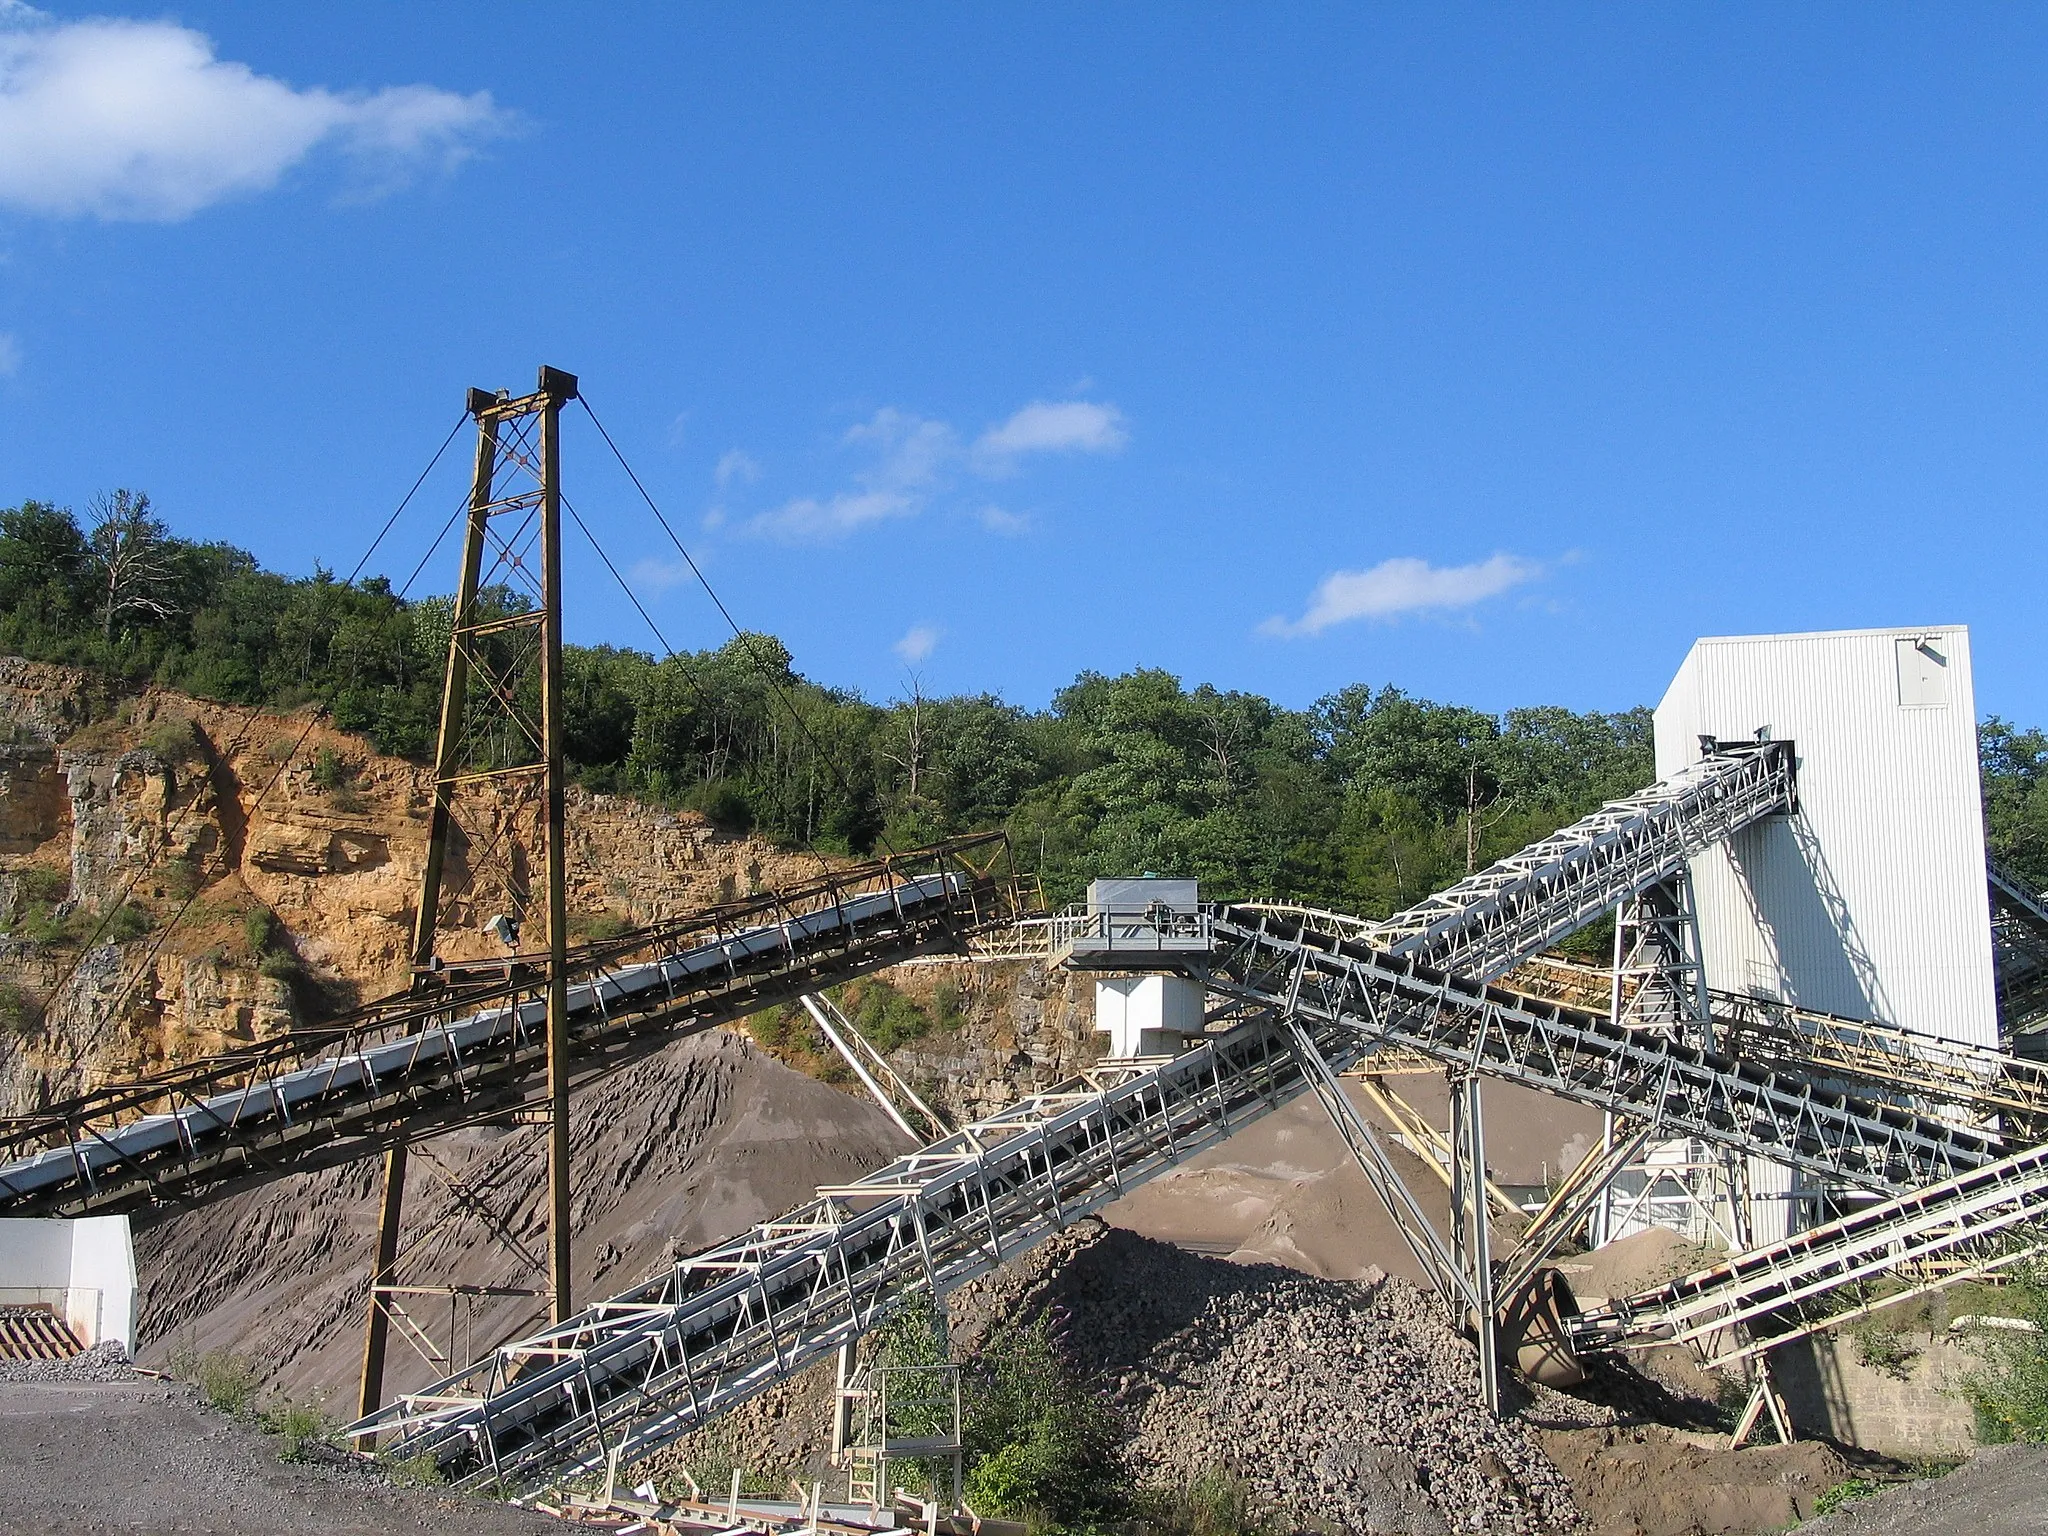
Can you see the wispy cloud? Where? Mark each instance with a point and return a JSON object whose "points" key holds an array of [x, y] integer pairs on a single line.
{"points": [[654, 576], [735, 467], [116, 119], [10, 355], [1401, 586], [907, 454], [997, 520], [1051, 426], [917, 643], [912, 459]]}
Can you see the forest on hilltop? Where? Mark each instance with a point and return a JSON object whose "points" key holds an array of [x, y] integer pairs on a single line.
{"points": [[1365, 801]]}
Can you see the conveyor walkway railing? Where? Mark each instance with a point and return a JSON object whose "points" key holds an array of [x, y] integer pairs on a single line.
{"points": [[419, 1063], [631, 1374], [1963, 1228], [1933, 1072], [1490, 922], [1579, 1055]]}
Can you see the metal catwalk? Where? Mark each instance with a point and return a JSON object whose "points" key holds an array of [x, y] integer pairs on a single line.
{"points": [[476, 1050]]}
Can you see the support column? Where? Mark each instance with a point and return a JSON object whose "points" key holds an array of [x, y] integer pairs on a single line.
{"points": [[377, 1331], [1468, 1226], [558, 388]]}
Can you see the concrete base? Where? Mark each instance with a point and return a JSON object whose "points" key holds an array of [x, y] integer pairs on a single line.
{"points": [[1829, 1393]]}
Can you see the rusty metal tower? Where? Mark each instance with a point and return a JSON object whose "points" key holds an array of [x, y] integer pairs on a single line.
{"points": [[500, 735]]}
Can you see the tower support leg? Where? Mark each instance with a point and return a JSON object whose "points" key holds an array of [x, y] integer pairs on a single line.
{"points": [[377, 1325], [1468, 1227]]}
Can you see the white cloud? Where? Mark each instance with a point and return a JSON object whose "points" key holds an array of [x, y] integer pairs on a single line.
{"points": [[10, 355], [652, 576], [917, 643], [1403, 585], [735, 468], [909, 454], [1009, 524], [1046, 426], [115, 119], [913, 459]]}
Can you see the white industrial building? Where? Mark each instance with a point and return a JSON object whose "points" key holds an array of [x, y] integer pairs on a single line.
{"points": [[1871, 902]]}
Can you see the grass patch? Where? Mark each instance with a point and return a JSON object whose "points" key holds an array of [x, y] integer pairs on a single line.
{"points": [[226, 1381], [1844, 1494], [298, 1425], [1215, 1504], [416, 1471], [596, 927]]}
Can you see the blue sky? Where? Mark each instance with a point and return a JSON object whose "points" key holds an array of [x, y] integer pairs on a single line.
{"points": [[1495, 353]]}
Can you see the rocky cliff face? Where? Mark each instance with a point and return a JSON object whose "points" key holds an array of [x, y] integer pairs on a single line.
{"points": [[295, 853]]}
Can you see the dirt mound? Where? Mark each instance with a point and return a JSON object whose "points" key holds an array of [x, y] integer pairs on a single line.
{"points": [[695, 1144], [1635, 1263], [1648, 1481]]}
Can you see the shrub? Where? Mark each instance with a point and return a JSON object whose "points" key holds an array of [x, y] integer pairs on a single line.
{"points": [[127, 922], [332, 771], [2008, 1394], [227, 1381], [21, 1011], [1885, 1350], [1214, 1504], [723, 804], [173, 738], [298, 1425], [1041, 1444]]}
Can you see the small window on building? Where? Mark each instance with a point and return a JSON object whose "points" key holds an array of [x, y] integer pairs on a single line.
{"points": [[1923, 672]]}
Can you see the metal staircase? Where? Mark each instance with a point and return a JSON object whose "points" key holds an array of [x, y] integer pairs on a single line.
{"points": [[474, 1049]]}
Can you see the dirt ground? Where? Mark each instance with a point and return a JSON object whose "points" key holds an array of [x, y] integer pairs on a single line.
{"points": [[147, 1456]]}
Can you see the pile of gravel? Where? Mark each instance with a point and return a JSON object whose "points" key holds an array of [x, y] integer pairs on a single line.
{"points": [[1351, 1405], [102, 1363]]}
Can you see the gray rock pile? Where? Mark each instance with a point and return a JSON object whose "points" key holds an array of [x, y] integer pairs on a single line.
{"points": [[1351, 1405], [102, 1363]]}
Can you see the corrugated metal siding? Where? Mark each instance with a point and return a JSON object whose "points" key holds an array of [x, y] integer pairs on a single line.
{"points": [[1871, 904]]}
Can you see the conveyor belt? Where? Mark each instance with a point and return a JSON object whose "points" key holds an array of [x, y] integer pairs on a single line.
{"points": [[414, 1064], [634, 1372], [1959, 1229]]}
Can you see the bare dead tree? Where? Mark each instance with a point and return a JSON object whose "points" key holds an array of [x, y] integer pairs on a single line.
{"points": [[911, 760], [133, 553]]}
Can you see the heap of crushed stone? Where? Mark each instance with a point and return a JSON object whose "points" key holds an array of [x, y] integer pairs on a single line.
{"points": [[102, 1363], [1345, 1404]]}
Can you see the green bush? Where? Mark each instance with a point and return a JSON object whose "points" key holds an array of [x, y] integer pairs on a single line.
{"points": [[297, 1425], [175, 739], [2008, 1393], [21, 1011], [331, 771], [227, 1381], [1041, 1444], [1885, 1350]]}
